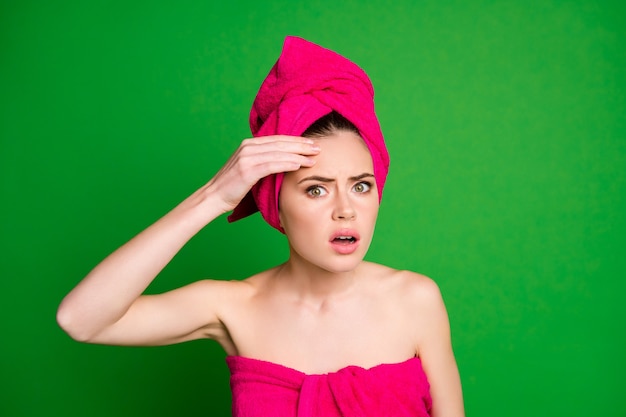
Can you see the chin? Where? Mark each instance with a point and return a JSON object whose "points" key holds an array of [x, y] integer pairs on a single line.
{"points": [[330, 261], [340, 265]]}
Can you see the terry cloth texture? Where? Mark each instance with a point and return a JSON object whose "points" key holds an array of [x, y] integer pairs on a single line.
{"points": [[262, 389], [306, 83]]}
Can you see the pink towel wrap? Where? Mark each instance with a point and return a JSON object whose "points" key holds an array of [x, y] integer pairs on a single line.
{"points": [[264, 389], [306, 83]]}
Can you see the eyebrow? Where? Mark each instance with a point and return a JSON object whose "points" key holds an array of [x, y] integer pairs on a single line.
{"points": [[326, 179]]}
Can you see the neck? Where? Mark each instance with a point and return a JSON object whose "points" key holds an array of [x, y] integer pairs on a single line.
{"points": [[313, 284]]}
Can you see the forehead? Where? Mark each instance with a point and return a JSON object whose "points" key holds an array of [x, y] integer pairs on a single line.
{"points": [[342, 149], [342, 138], [342, 155]]}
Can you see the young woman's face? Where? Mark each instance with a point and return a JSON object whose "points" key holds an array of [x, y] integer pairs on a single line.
{"points": [[328, 211]]}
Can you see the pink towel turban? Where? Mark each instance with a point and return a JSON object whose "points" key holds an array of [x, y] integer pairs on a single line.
{"points": [[306, 83]]}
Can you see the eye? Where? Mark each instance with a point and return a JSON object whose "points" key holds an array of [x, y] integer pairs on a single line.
{"points": [[316, 191], [362, 187]]}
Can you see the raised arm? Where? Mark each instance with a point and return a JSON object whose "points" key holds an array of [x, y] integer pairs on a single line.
{"points": [[108, 307]]}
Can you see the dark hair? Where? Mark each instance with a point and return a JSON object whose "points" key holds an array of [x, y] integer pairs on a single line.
{"points": [[329, 124]]}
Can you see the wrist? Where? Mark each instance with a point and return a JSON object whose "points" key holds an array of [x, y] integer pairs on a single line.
{"points": [[206, 203]]}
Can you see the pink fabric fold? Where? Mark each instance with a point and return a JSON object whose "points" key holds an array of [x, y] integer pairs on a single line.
{"points": [[262, 389], [306, 83]]}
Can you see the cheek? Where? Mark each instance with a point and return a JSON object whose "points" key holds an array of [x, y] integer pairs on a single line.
{"points": [[300, 218], [368, 211], [367, 203], [293, 218], [289, 212]]}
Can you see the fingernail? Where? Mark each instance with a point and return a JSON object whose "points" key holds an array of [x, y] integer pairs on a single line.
{"points": [[316, 147]]}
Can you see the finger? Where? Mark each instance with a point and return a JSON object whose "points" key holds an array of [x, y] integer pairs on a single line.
{"points": [[275, 162], [279, 138], [276, 167], [296, 147], [269, 157]]}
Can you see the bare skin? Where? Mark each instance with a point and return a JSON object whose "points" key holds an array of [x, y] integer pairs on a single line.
{"points": [[318, 312]]}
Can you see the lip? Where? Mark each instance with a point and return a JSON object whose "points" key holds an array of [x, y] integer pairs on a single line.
{"points": [[344, 248]]}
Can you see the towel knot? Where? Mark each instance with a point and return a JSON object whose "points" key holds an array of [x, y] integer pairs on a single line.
{"points": [[306, 83]]}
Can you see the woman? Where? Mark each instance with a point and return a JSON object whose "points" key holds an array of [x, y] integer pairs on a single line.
{"points": [[325, 333]]}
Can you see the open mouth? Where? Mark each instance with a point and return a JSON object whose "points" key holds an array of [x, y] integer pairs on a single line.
{"points": [[344, 240]]}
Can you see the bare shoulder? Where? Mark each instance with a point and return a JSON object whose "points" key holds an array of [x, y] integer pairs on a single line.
{"points": [[423, 316], [223, 293], [232, 294], [423, 300], [212, 299], [220, 286], [420, 288], [260, 281], [414, 297], [412, 286]]}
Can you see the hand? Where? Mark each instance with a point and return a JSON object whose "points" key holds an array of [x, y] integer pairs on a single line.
{"points": [[257, 158]]}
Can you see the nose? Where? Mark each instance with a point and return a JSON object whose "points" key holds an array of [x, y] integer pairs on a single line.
{"points": [[343, 209]]}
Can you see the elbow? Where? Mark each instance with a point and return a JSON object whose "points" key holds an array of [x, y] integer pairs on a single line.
{"points": [[69, 321]]}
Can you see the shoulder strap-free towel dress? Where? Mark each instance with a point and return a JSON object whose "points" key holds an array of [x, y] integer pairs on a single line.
{"points": [[266, 389]]}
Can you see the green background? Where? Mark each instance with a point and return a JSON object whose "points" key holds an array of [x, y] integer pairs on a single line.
{"points": [[506, 126]]}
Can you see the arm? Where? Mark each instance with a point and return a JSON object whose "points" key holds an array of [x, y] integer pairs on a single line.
{"points": [[435, 351], [107, 306]]}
